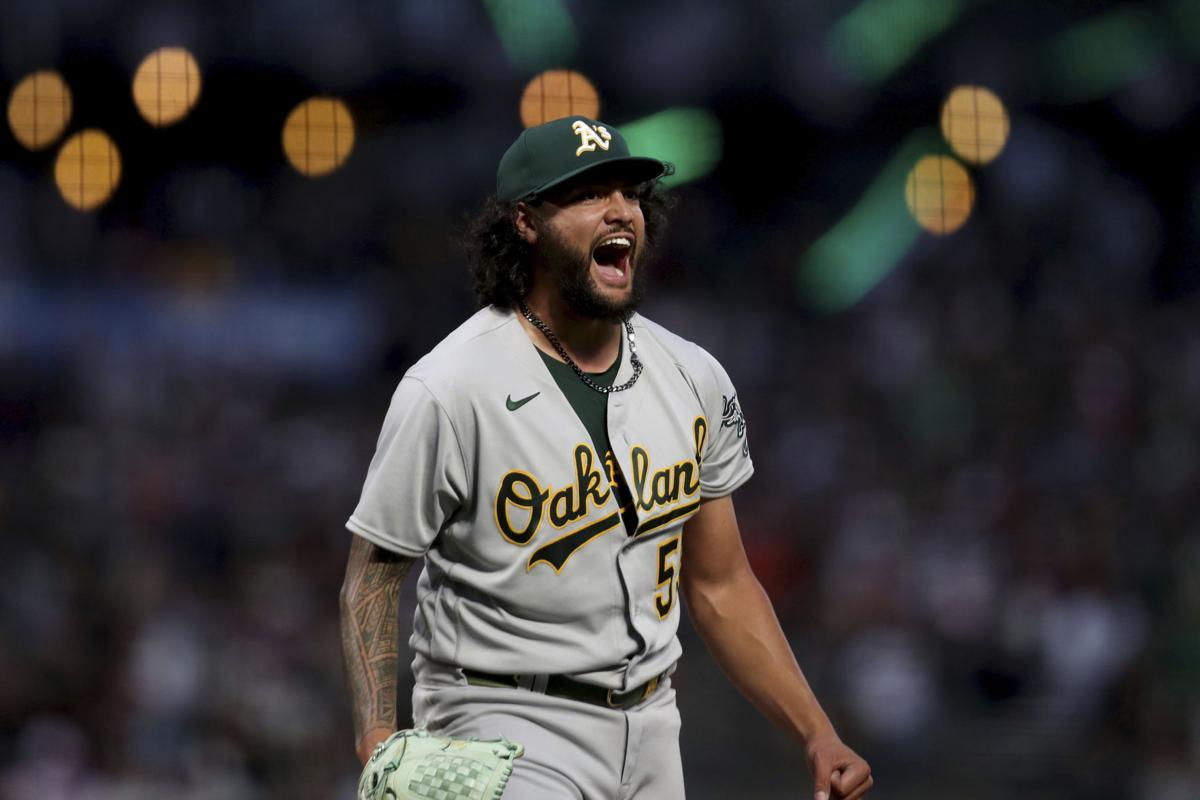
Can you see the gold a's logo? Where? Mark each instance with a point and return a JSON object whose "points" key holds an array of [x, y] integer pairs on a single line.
{"points": [[590, 137]]}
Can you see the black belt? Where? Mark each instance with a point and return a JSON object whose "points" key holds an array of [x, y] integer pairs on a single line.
{"points": [[562, 686]]}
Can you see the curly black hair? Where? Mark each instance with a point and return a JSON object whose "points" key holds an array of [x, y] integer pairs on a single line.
{"points": [[501, 259]]}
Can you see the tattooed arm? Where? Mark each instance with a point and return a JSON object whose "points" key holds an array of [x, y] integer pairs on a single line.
{"points": [[371, 639]]}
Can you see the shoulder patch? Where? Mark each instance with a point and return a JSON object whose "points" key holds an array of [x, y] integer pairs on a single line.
{"points": [[731, 417]]}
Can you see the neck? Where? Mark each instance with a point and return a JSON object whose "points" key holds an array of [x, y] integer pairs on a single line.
{"points": [[592, 343]]}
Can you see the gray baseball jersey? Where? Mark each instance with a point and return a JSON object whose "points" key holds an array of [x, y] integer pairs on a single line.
{"points": [[485, 469]]}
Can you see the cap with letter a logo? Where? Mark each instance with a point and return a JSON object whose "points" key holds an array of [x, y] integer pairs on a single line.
{"points": [[547, 155]]}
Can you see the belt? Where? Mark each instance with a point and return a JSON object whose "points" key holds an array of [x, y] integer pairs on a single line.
{"points": [[562, 686]]}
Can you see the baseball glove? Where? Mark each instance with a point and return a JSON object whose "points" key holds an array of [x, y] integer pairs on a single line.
{"points": [[415, 765]]}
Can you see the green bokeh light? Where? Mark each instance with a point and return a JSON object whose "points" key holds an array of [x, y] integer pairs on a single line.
{"points": [[690, 138], [863, 247], [1103, 54], [878, 36], [536, 34]]}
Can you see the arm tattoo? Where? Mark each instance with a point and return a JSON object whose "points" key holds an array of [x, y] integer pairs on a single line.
{"points": [[371, 632]]}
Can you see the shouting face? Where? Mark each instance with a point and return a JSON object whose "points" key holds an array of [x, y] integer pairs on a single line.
{"points": [[590, 243]]}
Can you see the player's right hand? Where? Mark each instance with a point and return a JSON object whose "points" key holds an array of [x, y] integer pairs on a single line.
{"points": [[838, 772]]}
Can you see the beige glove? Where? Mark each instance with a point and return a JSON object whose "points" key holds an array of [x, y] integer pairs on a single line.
{"points": [[415, 765]]}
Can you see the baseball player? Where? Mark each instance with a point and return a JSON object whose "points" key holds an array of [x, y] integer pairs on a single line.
{"points": [[565, 466]]}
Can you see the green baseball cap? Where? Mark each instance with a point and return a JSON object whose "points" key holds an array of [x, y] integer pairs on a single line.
{"points": [[547, 155]]}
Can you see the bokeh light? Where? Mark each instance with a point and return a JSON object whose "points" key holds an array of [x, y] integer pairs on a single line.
{"points": [[975, 123], [318, 135], [877, 37], [535, 34], [39, 109], [870, 240], [166, 86], [88, 169], [558, 93], [691, 139], [940, 194]]}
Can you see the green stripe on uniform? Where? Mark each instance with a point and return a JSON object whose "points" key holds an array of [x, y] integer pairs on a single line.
{"points": [[662, 519]]}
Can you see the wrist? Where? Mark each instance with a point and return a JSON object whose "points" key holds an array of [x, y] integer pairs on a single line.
{"points": [[820, 738], [813, 731]]}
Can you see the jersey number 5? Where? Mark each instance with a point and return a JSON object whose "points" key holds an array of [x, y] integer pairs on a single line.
{"points": [[667, 577]]}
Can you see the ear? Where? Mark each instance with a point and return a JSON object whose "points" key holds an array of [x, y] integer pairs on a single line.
{"points": [[526, 223]]}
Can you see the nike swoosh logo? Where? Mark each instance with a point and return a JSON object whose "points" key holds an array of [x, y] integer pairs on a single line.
{"points": [[513, 405]]}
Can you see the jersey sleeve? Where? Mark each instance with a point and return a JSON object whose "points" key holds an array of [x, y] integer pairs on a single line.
{"points": [[725, 456], [417, 478]]}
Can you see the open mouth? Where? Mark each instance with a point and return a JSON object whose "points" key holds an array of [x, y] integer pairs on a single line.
{"points": [[612, 258]]}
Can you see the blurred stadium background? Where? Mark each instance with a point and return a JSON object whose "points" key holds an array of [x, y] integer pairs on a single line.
{"points": [[947, 250]]}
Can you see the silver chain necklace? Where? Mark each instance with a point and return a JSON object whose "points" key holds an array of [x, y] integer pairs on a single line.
{"points": [[583, 376]]}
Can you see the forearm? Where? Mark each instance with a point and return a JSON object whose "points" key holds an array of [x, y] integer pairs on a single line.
{"points": [[737, 622], [371, 639]]}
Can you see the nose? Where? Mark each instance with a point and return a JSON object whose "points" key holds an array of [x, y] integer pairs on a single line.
{"points": [[619, 207]]}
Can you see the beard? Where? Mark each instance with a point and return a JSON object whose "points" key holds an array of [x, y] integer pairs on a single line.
{"points": [[572, 268]]}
